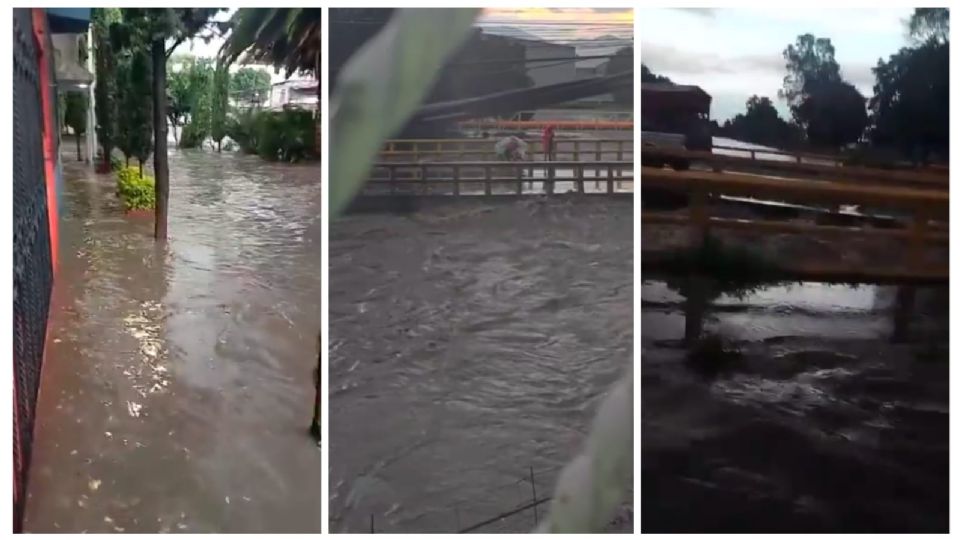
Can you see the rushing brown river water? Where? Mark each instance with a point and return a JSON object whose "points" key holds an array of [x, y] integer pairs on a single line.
{"points": [[177, 388], [469, 343], [824, 424]]}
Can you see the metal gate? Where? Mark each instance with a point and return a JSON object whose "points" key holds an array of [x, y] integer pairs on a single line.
{"points": [[32, 264]]}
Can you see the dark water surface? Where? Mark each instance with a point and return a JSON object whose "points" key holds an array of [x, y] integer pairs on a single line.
{"points": [[824, 424], [470, 342], [177, 388]]}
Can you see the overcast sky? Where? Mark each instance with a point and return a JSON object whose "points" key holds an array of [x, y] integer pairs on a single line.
{"points": [[550, 23], [735, 53]]}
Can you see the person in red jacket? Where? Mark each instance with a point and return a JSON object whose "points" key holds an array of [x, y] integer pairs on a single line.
{"points": [[547, 140]]}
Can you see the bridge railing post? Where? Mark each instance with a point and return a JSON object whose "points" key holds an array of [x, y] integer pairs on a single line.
{"points": [[699, 216], [610, 178], [423, 179], [487, 188], [916, 250]]}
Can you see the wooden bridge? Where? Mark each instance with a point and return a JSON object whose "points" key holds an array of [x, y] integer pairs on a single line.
{"points": [[482, 149], [571, 125], [500, 178]]}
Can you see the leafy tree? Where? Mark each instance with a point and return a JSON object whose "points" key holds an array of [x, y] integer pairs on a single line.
{"points": [[250, 84], [153, 27], [190, 88], [622, 61], [834, 113], [761, 124], [75, 116], [178, 95], [930, 24], [911, 98], [830, 110], [647, 76], [810, 61], [219, 103], [105, 91], [286, 38], [134, 119]]}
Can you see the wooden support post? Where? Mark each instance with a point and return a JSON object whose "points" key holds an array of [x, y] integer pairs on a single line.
{"points": [[915, 253], [599, 157], [391, 176], [423, 179], [610, 179], [576, 150], [699, 217], [620, 156], [487, 188], [519, 180], [456, 180]]}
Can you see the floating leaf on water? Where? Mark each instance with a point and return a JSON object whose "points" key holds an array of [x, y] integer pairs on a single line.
{"points": [[93, 484]]}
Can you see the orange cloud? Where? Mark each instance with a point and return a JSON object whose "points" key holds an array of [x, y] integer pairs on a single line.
{"points": [[624, 16]]}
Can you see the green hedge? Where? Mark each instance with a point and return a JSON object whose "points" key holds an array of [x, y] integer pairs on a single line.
{"points": [[275, 135], [136, 191]]}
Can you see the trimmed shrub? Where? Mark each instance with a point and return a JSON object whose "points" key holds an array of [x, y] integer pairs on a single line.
{"points": [[136, 191]]}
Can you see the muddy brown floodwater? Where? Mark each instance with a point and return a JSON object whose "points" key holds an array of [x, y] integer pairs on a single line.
{"points": [[470, 342], [177, 388], [823, 424]]}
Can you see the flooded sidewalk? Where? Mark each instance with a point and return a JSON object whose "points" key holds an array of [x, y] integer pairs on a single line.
{"points": [[177, 387]]}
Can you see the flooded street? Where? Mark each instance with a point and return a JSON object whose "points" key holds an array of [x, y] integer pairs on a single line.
{"points": [[470, 343], [177, 387], [822, 424]]}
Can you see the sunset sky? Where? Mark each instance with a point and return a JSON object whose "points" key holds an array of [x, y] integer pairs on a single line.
{"points": [[581, 23]]}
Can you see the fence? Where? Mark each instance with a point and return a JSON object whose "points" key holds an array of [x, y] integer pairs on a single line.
{"points": [[823, 167], [574, 149], [923, 209], [457, 177], [32, 256], [572, 125]]}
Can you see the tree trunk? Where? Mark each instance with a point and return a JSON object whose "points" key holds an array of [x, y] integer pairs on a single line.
{"points": [[79, 157], [160, 168], [220, 145]]}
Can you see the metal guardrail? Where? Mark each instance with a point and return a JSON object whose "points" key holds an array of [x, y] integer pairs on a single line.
{"points": [[574, 125], [821, 171], [426, 177], [836, 159], [922, 206]]}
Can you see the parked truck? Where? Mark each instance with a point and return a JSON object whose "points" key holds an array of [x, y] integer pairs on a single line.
{"points": [[673, 116]]}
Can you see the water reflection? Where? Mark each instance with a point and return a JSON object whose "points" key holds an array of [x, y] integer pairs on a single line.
{"points": [[178, 380]]}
